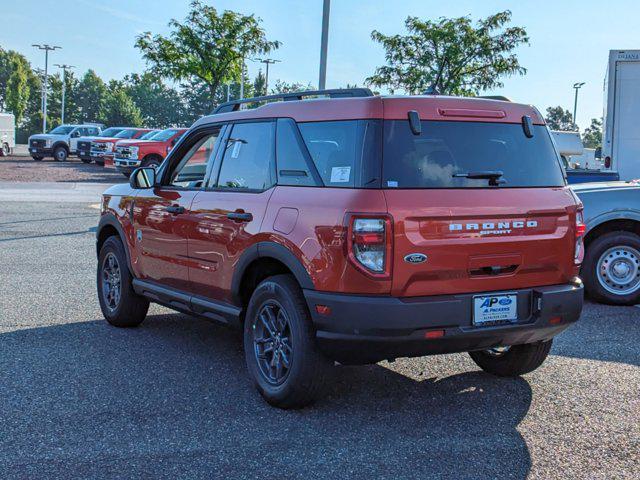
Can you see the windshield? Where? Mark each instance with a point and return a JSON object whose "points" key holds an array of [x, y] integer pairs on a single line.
{"points": [[445, 152], [127, 133], [165, 135], [110, 132], [148, 135], [61, 130]]}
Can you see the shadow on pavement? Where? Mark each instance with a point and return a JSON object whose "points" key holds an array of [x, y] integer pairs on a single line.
{"points": [[172, 397]]}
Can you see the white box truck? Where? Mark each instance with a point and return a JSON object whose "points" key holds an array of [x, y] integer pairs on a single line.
{"points": [[7, 133], [621, 129]]}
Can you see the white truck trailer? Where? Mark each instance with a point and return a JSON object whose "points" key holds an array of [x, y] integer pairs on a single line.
{"points": [[7, 133], [621, 129]]}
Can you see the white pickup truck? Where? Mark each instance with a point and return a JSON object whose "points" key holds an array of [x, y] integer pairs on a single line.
{"points": [[60, 142], [7, 133]]}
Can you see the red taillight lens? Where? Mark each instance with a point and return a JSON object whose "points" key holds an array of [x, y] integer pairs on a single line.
{"points": [[581, 228], [370, 244]]}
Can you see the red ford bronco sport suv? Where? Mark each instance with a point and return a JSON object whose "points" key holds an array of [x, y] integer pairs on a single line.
{"points": [[353, 228]]}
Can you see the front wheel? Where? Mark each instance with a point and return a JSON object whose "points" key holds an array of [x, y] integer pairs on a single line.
{"points": [[60, 154], [37, 158], [611, 268], [280, 348], [151, 162], [120, 304], [5, 151], [512, 361]]}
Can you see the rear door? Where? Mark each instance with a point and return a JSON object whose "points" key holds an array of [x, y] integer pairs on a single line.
{"points": [[476, 237], [228, 216]]}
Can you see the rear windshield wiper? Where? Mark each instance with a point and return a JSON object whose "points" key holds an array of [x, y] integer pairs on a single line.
{"points": [[492, 175]]}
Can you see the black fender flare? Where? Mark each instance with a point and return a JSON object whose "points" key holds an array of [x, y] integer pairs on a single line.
{"points": [[109, 219], [60, 143], [269, 250]]}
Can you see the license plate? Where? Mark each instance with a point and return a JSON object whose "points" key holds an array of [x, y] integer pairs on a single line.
{"points": [[489, 309]]}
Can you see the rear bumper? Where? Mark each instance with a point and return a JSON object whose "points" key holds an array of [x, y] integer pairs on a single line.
{"points": [[364, 329]]}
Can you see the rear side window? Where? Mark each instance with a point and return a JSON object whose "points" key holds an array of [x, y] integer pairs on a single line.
{"points": [[292, 158], [444, 149], [345, 153], [248, 157]]}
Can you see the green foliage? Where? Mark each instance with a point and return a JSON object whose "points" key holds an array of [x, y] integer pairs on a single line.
{"points": [[54, 105], [208, 46], [284, 87], [450, 55], [14, 83], [89, 96], [160, 105], [592, 136], [119, 109], [560, 119], [260, 84]]}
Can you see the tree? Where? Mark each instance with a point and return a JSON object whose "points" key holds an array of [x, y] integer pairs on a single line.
{"points": [[208, 46], [119, 109], [560, 119], [260, 84], [14, 83], [592, 136], [450, 56], [90, 96], [284, 87], [54, 108], [160, 106]]}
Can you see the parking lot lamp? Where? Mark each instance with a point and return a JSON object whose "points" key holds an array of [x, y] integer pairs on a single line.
{"points": [[64, 68], [47, 48], [577, 86], [267, 62], [324, 41]]}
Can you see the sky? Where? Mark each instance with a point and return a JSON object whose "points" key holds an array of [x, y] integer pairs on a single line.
{"points": [[569, 40]]}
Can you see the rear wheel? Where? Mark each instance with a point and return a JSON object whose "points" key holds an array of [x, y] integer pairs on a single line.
{"points": [[60, 154], [279, 343], [5, 150], [514, 360], [611, 268], [119, 303]]}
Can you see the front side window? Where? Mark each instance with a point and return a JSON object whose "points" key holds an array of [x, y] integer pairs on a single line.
{"points": [[445, 152], [248, 157], [346, 153], [192, 168]]}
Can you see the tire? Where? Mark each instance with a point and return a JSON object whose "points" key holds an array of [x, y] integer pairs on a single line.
{"points": [[60, 154], [5, 151], [607, 256], [516, 361], [85, 160], [100, 163], [37, 158], [128, 309], [152, 161], [303, 381]]}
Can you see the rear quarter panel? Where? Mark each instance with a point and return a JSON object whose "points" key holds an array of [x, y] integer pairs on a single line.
{"points": [[606, 202]]}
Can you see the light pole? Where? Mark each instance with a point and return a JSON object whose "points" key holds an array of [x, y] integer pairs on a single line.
{"points": [[47, 48], [577, 86], [326, 6], [64, 68], [267, 62]]}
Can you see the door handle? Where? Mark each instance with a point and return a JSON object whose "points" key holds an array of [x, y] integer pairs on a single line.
{"points": [[240, 216], [175, 209]]}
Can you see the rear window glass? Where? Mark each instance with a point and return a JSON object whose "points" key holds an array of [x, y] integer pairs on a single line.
{"points": [[345, 153], [444, 149]]}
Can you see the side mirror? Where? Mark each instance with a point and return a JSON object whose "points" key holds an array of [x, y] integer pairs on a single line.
{"points": [[142, 178]]}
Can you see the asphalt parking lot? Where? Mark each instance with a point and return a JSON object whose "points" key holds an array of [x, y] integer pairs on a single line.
{"points": [[81, 399], [22, 168]]}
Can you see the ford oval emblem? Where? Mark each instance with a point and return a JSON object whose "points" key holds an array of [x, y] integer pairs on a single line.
{"points": [[415, 258]]}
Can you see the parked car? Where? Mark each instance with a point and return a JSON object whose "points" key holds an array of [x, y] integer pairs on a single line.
{"points": [[149, 152], [60, 142], [611, 268], [7, 133], [353, 230], [84, 143], [102, 148]]}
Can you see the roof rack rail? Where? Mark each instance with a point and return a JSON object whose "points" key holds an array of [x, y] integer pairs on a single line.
{"points": [[234, 105], [496, 97]]}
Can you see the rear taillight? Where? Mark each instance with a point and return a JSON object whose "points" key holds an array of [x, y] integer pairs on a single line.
{"points": [[581, 228], [369, 244]]}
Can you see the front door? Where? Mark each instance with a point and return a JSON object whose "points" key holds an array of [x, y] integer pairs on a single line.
{"points": [[162, 215], [228, 215]]}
